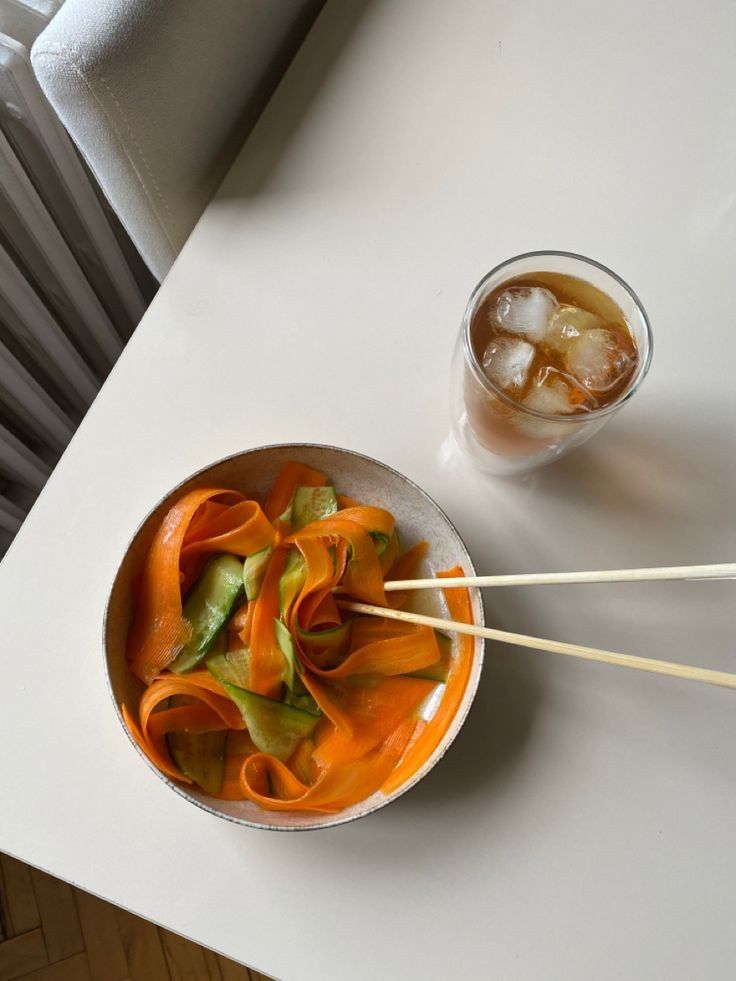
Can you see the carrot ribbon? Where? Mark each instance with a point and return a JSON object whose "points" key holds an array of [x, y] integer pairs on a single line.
{"points": [[270, 783], [291, 476], [159, 629]]}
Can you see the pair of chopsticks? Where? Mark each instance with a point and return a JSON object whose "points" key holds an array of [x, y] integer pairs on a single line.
{"points": [[689, 572]]}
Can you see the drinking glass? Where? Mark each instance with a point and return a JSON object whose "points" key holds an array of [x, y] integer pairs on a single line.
{"points": [[500, 435]]}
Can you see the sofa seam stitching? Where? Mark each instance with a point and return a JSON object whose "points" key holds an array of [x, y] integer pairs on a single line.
{"points": [[63, 52]]}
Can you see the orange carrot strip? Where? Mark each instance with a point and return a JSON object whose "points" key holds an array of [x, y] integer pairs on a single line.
{"points": [[363, 577], [458, 603], [240, 626], [335, 788], [370, 518], [202, 516], [395, 655], [343, 501], [320, 613], [318, 583], [159, 630], [166, 687], [200, 678], [327, 640], [238, 619], [266, 779], [327, 698], [317, 606], [291, 476], [324, 729], [247, 628], [367, 630], [321, 576], [266, 660], [231, 789], [300, 762], [241, 529], [239, 747], [375, 712], [155, 752], [185, 718], [149, 736], [406, 566]]}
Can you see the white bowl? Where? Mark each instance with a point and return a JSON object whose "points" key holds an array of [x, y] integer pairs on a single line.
{"points": [[253, 471]]}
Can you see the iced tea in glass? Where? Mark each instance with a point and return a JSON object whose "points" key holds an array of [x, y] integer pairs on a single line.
{"points": [[551, 345]]}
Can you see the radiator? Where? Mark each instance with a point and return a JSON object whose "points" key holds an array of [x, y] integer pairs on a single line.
{"points": [[72, 288]]}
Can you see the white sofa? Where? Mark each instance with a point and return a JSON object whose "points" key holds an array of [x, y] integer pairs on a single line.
{"points": [[158, 95]]}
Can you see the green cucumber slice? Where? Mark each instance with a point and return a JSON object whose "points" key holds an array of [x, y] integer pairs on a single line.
{"points": [[328, 645], [303, 701], [231, 666], [380, 540], [208, 607], [291, 581], [219, 644], [297, 694], [292, 667], [285, 516], [333, 637], [254, 572], [312, 504], [200, 756], [274, 727]]}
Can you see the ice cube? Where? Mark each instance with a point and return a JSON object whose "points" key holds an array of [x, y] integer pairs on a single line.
{"points": [[555, 394], [567, 323], [523, 310], [506, 362], [599, 359]]}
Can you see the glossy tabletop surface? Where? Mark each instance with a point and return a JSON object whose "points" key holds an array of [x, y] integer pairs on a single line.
{"points": [[582, 825]]}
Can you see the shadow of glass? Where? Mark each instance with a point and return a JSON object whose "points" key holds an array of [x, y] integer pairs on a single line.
{"points": [[666, 482], [667, 477]]}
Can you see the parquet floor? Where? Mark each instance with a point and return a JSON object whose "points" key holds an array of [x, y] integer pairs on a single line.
{"points": [[50, 931]]}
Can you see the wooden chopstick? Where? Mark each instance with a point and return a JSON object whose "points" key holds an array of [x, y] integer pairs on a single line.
{"points": [[686, 671], [691, 572]]}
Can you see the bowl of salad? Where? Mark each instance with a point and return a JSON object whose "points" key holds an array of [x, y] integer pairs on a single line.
{"points": [[234, 666]]}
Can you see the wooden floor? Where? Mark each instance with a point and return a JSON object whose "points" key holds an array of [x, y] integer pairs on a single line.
{"points": [[50, 931]]}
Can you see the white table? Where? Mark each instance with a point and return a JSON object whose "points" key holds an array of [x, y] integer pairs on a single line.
{"points": [[583, 824]]}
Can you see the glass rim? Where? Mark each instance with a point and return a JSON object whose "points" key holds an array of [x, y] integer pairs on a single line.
{"points": [[571, 418]]}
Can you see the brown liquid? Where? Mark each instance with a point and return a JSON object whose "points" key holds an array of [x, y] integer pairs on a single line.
{"points": [[574, 292]]}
